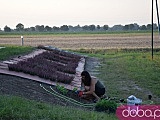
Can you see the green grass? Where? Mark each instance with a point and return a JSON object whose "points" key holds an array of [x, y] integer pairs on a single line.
{"points": [[10, 51], [126, 72], [15, 108], [2, 34]]}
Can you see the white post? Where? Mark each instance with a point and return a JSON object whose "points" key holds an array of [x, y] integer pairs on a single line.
{"points": [[22, 40]]}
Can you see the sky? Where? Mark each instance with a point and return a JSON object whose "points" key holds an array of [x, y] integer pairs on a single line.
{"points": [[73, 12]]}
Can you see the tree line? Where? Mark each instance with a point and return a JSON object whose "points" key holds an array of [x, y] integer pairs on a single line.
{"points": [[41, 28]]}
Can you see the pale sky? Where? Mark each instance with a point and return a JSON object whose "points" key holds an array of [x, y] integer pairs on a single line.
{"points": [[73, 12]]}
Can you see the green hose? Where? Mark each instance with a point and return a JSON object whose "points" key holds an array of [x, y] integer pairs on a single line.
{"points": [[68, 99], [71, 98]]}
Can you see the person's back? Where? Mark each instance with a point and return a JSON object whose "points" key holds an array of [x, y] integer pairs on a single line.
{"points": [[99, 84], [99, 88]]}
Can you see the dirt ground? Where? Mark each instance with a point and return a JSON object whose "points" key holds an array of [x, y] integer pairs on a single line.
{"points": [[86, 41], [29, 89]]}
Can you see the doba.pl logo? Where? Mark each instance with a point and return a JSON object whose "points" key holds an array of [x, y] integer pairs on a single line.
{"points": [[140, 112]]}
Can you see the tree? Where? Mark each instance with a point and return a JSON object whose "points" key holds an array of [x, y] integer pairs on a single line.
{"points": [[143, 27], [47, 28], [155, 26], [71, 28], [64, 28], [20, 27], [7, 29], [136, 26], [126, 27], [98, 27], [117, 28], [32, 29], [149, 26], [92, 27], [105, 27], [131, 26], [55, 28], [39, 28], [77, 28], [85, 27]]}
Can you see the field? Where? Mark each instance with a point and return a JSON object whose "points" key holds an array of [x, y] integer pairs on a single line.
{"points": [[124, 72], [83, 41]]}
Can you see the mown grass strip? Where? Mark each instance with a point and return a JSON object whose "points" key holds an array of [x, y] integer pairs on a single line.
{"points": [[126, 72], [5, 34], [15, 108], [10, 51]]}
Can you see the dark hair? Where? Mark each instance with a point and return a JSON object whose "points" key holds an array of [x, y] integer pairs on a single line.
{"points": [[87, 80]]}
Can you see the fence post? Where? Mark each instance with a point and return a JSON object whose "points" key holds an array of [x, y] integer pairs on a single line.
{"points": [[22, 40]]}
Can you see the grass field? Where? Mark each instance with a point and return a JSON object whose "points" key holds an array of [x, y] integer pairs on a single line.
{"points": [[129, 72], [11, 50]]}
